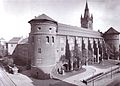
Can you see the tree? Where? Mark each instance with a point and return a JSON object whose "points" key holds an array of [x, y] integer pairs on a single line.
{"points": [[112, 53], [90, 52], [84, 53], [76, 54], [68, 54]]}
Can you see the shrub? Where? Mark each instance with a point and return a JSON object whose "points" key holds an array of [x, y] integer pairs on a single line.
{"points": [[39, 74]]}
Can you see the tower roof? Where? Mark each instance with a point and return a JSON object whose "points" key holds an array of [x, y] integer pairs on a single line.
{"points": [[111, 30], [42, 17]]}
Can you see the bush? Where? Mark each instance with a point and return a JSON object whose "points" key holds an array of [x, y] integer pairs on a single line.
{"points": [[39, 74], [7, 61]]}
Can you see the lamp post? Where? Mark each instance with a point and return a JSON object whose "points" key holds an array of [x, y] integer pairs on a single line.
{"points": [[111, 71], [93, 78]]}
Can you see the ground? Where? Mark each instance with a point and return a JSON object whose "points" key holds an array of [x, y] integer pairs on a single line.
{"points": [[75, 78]]}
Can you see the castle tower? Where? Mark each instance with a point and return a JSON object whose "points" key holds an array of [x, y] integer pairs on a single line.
{"points": [[42, 40], [111, 37], [87, 19]]}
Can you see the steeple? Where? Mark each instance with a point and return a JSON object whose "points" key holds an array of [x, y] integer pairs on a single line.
{"points": [[87, 19], [86, 7], [86, 13]]}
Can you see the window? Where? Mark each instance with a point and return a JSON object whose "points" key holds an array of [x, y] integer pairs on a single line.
{"points": [[52, 39], [62, 49], [11, 45], [47, 39], [39, 28], [32, 39], [39, 50], [50, 28]]}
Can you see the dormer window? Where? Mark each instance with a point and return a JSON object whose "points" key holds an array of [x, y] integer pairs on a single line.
{"points": [[39, 28]]}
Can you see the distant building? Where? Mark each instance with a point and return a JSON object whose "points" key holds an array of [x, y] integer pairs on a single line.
{"points": [[87, 19], [11, 45], [48, 38], [3, 50]]}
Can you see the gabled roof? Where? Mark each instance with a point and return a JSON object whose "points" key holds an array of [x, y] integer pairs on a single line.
{"points": [[15, 40], [112, 31]]}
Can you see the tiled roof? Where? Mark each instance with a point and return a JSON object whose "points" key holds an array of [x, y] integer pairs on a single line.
{"points": [[112, 31], [15, 40]]}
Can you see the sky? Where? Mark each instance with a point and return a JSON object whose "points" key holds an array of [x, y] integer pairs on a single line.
{"points": [[15, 14]]}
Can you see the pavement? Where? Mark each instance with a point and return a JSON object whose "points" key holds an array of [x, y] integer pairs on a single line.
{"points": [[7, 79], [90, 71], [4, 79], [20, 79]]}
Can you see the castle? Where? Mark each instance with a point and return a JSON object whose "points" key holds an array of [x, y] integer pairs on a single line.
{"points": [[50, 42], [48, 38]]}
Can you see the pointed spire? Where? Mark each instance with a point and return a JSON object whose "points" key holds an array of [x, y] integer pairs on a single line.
{"points": [[81, 16], [86, 13], [86, 7]]}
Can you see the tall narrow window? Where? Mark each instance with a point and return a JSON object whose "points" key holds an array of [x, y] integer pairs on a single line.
{"points": [[39, 50], [47, 39], [52, 39]]}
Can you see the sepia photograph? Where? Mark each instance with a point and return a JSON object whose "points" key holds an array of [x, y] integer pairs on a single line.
{"points": [[59, 43]]}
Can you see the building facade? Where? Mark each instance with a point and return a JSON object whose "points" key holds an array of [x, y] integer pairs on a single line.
{"points": [[11, 45], [48, 40]]}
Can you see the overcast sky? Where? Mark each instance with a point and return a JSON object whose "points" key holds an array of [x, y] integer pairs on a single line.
{"points": [[15, 14]]}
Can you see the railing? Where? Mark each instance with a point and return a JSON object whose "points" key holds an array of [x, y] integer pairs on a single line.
{"points": [[101, 75]]}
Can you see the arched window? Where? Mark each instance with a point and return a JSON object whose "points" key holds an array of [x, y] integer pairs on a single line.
{"points": [[52, 39], [47, 39]]}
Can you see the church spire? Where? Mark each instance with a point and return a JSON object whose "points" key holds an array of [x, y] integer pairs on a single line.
{"points": [[86, 7], [87, 19], [86, 13]]}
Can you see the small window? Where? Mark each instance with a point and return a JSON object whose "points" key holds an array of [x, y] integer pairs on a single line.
{"points": [[11, 45], [52, 39], [39, 50], [32, 39], [39, 28], [47, 39], [50, 28], [62, 49]]}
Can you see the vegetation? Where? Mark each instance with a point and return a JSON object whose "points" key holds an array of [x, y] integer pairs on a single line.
{"points": [[68, 55], [110, 51]]}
